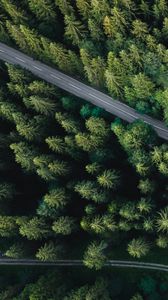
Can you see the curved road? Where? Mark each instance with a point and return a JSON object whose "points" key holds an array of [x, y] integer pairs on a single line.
{"points": [[79, 89], [77, 263]]}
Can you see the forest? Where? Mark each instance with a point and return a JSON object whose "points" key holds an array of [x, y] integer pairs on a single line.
{"points": [[75, 181]]}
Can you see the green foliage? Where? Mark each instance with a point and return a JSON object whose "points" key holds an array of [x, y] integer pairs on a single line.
{"points": [[7, 191], [24, 155], [64, 225], [43, 9], [34, 229], [138, 247], [45, 106], [56, 198], [109, 179], [49, 252], [94, 256], [162, 220], [56, 144], [8, 226], [16, 251]]}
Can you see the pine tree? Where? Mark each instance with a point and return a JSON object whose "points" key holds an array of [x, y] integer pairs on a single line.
{"points": [[64, 225], [162, 241], [16, 251], [74, 29], [56, 144], [45, 106], [65, 7], [100, 8], [69, 124], [95, 29], [88, 142], [8, 226], [17, 35], [56, 198], [97, 126], [43, 9], [144, 205], [138, 248], [140, 29], [146, 186], [94, 256], [93, 168], [49, 252], [32, 40], [59, 168], [59, 56], [30, 128], [24, 155], [7, 110], [42, 88], [41, 162], [7, 191], [128, 211], [162, 220], [109, 179], [34, 229], [17, 15], [84, 8], [86, 189], [97, 225], [148, 225]]}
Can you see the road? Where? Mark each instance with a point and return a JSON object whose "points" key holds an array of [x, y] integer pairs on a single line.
{"points": [[78, 263], [79, 89]]}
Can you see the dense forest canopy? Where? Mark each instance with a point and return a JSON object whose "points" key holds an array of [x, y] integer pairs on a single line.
{"points": [[118, 46], [75, 182]]}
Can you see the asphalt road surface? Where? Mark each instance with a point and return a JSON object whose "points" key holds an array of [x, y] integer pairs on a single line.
{"points": [[78, 263], [79, 89]]}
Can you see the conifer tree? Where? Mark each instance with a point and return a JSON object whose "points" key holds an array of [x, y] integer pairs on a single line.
{"points": [[67, 122], [7, 191], [17, 15], [16, 251], [43, 9], [94, 256], [162, 220], [84, 8], [30, 128], [97, 126], [45, 106], [64, 225], [86, 189], [8, 226], [41, 162], [56, 197], [49, 252], [34, 229], [109, 179], [56, 144], [74, 29], [60, 168], [24, 155], [65, 7], [138, 247]]}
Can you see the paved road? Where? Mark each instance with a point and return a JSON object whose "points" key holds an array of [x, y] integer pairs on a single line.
{"points": [[79, 89], [78, 263]]}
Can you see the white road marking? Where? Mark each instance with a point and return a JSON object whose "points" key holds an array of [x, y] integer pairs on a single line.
{"points": [[20, 59], [76, 87], [156, 126], [1, 50], [127, 112], [37, 68], [113, 106], [55, 76]]}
